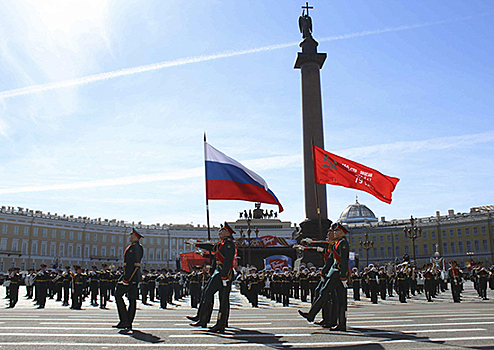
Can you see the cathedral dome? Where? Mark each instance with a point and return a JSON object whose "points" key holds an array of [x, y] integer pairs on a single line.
{"points": [[357, 213]]}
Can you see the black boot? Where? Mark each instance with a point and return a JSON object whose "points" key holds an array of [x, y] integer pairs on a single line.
{"points": [[217, 329], [341, 321], [204, 315]]}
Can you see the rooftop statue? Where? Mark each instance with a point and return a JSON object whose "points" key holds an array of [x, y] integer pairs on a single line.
{"points": [[305, 22]]}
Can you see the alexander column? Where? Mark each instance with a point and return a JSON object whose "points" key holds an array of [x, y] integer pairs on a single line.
{"points": [[309, 61]]}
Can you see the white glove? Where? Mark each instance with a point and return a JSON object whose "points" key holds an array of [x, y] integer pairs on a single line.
{"points": [[308, 240], [320, 249], [344, 283], [191, 241], [225, 282]]}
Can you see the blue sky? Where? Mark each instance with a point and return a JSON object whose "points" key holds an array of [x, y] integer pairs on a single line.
{"points": [[103, 104]]}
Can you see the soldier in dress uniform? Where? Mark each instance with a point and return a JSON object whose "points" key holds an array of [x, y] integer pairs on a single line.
{"points": [[15, 280], [195, 286], [428, 281], [455, 274], [336, 273], [483, 276], [163, 284], [372, 281], [129, 280], [401, 283], [94, 285], [252, 282], [152, 285], [42, 286], [221, 280], [314, 279], [144, 286], [78, 288], [59, 285], [104, 284], [304, 283], [355, 279], [383, 282], [286, 286], [66, 276]]}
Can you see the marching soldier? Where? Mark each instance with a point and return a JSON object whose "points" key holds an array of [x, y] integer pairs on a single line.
{"points": [[78, 288], [454, 274], [372, 281], [314, 279], [221, 280], [42, 286], [383, 282], [336, 273], [252, 283], [66, 277], [286, 286], [15, 281], [152, 285], [401, 283], [355, 278], [195, 286], [104, 284], [163, 284], [428, 281], [94, 285], [304, 283], [128, 282], [144, 286]]}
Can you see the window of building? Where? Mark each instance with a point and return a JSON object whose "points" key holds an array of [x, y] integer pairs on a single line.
{"points": [[120, 239], [53, 249], [159, 240], [433, 234], [460, 247], [16, 230], [426, 249], [434, 247], [485, 246], [459, 232], [158, 254], [45, 232], [62, 234], [71, 234], [1, 265], [374, 253], [23, 266], [407, 249], [451, 233], [353, 240], [112, 252], [87, 236], [469, 245], [34, 248], [424, 234], [78, 251], [398, 254], [95, 237], [151, 240], [390, 252], [475, 231], [445, 248], [120, 252], [103, 251], [389, 238], [383, 252], [444, 233], [467, 231], [26, 231], [151, 255], [61, 249], [3, 244], [166, 240], [53, 233], [24, 247], [43, 248], [113, 238], [71, 251], [453, 247], [476, 244], [397, 238], [483, 230], [4, 228], [361, 253], [86, 251], [95, 251], [35, 231], [104, 238], [12, 264]]}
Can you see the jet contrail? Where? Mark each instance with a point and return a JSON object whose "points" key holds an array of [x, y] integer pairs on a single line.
{"points": [[278, 162], [195, 59]]}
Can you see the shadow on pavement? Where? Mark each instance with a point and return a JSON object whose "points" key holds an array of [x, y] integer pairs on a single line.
{"points": [[138, 335]]}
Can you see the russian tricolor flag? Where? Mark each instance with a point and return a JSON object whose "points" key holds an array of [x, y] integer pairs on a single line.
{"points": [[228, 179]]}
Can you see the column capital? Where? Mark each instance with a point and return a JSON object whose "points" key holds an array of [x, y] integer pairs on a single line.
{"points": [[303, 58]]}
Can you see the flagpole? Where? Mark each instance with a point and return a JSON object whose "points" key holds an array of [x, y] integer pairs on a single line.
{"points": [[207, 199], [319, 221]]}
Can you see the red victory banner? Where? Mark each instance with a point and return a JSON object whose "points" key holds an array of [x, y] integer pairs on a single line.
{"points": [[334, 170]]}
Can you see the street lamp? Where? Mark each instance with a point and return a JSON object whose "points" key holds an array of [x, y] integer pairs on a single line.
{"points": [[366, 245], [413, 232]]}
